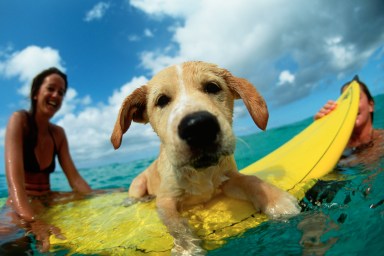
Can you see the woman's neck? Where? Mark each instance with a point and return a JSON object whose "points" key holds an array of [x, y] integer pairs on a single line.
{"points": [[361, 136], [42, 123]]}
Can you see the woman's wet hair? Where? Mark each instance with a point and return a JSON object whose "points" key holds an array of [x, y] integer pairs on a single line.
{"points": [[363, 87], [35, 87], [38, 81]]}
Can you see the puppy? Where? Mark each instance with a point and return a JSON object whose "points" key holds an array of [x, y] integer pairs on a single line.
{"points": [[190, 107]]}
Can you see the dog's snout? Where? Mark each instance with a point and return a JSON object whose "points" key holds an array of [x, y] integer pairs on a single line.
{"points": [[199, 129]]}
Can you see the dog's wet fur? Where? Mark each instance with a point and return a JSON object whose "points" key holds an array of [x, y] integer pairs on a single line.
{"points": [[190, 107]]}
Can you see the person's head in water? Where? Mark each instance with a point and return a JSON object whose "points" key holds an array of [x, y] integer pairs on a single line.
{"points": [[366, 105]]}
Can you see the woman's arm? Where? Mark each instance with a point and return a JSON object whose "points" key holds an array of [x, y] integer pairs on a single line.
{"points": [[75, 180], [14, 166]]}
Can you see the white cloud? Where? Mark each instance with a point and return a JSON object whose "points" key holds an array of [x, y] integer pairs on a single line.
{"points": [[25, 64], [148, 32], [160, 8], [89, 131], [155, 61], [5, 50], [97, 12], [286, 77], [342, 55], [118, 96], [134, 38], [323, 39], [72, 102]]}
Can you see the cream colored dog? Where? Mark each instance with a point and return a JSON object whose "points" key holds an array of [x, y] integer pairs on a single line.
{"points": [[190, 107]]}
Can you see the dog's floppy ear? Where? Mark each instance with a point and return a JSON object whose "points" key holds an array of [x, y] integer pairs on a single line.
{"points": [[254, 102], [133, 108]]}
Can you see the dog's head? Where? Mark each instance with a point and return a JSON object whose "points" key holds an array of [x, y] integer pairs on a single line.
{"points": [[190, 107]]}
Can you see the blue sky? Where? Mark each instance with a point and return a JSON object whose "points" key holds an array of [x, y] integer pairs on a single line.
{"points": [[297, 53]]}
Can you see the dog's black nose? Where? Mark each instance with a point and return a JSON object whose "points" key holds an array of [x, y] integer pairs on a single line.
{"points": [[199, 129]]}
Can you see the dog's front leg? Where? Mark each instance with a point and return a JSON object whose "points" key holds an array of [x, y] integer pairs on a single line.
{"points": [[186, 242], [264, 196]]}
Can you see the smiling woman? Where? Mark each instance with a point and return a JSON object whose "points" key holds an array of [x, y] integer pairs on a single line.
{"points": [[32, 143]]}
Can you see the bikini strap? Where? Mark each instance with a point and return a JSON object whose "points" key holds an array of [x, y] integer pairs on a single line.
{"points": [[53, 138]]}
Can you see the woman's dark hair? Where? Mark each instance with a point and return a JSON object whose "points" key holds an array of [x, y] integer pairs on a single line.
{"points": [[363, 87], [35, 87], [38, 81]]}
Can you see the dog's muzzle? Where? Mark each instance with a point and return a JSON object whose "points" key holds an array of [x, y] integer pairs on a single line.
{"points": [[201, 130]]}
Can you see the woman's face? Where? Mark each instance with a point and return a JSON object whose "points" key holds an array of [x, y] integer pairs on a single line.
{"points": [[366, 107], [50, 95]]}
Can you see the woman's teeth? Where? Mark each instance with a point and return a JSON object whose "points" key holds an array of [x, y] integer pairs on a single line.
{"points": [[53, 103]]}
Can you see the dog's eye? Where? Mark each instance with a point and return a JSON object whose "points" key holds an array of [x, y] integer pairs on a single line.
{"points": [[162, 101], [212, 88]]}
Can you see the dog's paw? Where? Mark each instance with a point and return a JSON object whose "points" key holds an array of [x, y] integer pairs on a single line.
{"points": [[132, 200], [186, 242], [129, 201], [284, 205], [146, 199], [187, 247]]}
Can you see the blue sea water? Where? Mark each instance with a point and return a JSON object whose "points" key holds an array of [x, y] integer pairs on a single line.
{"points": [[349, 223]]}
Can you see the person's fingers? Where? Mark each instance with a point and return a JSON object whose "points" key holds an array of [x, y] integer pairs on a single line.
{"points": [[330, 105], [45, 244], [322, 112], [318, 116], [42, 239], [42, 232], [57, 232], [326, 109]]}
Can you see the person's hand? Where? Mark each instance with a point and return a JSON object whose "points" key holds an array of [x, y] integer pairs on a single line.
{"points": [[42, 232], [326, 109]]}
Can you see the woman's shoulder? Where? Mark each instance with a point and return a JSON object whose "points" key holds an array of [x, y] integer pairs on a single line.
{"points": [[378, 141], [19, 118], [58, 133], [379, 134], [56, 128], [23, 114]]}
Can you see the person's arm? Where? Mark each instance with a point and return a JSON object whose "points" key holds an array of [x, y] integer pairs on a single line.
{"points": [[77, 183], [14, 167], [326, 109]]}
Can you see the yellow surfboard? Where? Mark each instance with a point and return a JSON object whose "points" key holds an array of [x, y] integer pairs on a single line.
{"points": [[102, 225]]}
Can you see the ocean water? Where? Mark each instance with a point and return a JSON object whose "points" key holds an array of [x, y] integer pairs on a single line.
{"points": [[349, 222]]}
